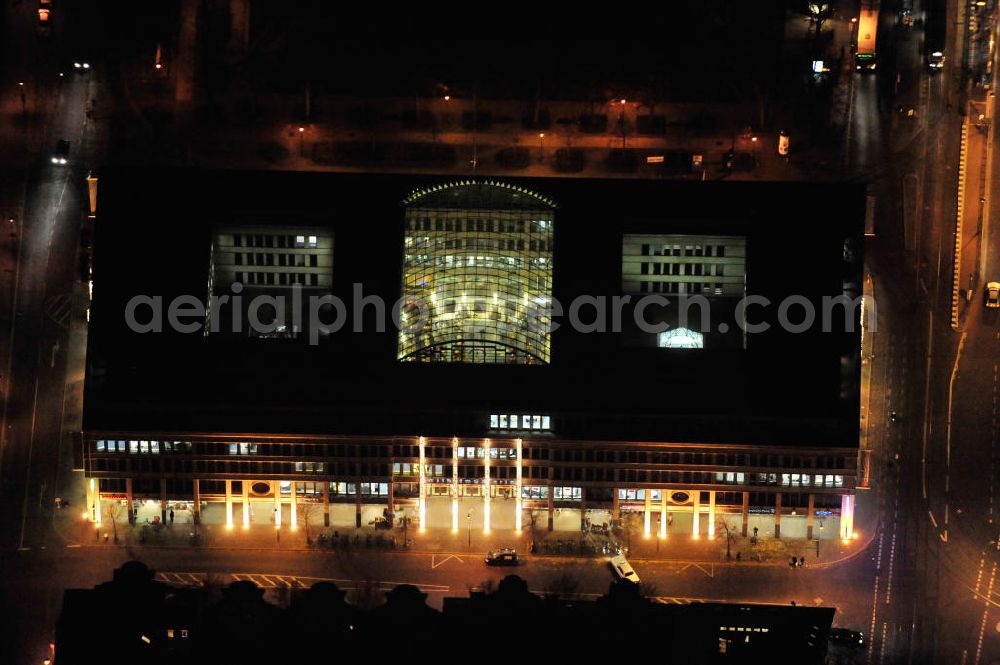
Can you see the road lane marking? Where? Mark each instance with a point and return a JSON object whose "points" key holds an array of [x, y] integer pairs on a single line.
{"points": [[710, 572], [435, 563], [878, 568], [986, 612]]}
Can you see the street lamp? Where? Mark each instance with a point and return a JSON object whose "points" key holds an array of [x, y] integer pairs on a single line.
{"points": [[468, 516], [302, 141], [621, 120], [541, 146]]}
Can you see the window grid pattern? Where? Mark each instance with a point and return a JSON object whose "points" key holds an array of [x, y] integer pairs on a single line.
{"points": [[480, 280], [684, 264]]}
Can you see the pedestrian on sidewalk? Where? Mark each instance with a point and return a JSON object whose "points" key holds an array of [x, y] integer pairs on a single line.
{"points": [[171, 515]]}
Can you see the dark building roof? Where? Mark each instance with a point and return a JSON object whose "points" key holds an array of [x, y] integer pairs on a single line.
{"points": [[153, 238], [136, 620]]}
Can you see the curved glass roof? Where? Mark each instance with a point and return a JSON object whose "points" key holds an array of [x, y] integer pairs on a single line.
{"points": [[478, 194]]}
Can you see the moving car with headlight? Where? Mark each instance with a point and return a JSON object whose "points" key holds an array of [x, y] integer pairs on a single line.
{"points": [[61, 154], [852, 639], [504, 556]]}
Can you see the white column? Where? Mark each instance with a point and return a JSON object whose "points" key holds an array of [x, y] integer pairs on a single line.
{"points": [[277, 503], [454, 485], [422, 501], [95, 501], [663, 514], [293, 512], [711, 514], [695, 530], [846, 517], [229, 504], [646, 513], [486, 486], [246, 504], [517, 489]]}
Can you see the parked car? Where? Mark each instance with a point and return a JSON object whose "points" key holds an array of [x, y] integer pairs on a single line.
{"points": [[622, 569], [505, 556], [61, 154], [991, 296], [848, 638]]}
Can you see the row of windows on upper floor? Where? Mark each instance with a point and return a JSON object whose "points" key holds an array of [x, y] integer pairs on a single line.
{"points": [[281, 260], [443, 473], [718, 269], [276, 278], [704, 288], [524, 421], [683, 250], [502, 244], [480, 225], [455, 262], [275, 241], [436, 451]]}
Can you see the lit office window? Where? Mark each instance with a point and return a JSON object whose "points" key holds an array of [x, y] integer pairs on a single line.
{"points": [[680, 338]]}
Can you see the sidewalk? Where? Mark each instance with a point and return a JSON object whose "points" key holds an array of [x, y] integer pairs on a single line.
{"points": [[676, 548]]}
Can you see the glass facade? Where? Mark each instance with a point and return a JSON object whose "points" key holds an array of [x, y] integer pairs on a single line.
{"points": [[477, 275]]}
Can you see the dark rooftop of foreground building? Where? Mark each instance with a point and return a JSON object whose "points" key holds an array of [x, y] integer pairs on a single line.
{"points": [[192, 233], [134, 619]]}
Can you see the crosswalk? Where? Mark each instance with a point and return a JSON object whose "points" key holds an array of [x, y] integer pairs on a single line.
{"points": [[675, 600], [274, 581]]}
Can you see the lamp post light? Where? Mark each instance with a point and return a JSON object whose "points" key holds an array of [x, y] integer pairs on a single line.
{"points": [[302, 141], [468, 516], [541, 146], [621, 120]]}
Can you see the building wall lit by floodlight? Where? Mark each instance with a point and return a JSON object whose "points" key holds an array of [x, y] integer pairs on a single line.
{"points": [[477, 275], [684, 264]]}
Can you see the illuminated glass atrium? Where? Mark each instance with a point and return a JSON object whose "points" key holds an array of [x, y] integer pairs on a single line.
{"points": [[477, 275]]}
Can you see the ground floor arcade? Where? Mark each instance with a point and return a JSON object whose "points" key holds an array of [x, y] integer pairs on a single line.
{"points": [[655, 512]]}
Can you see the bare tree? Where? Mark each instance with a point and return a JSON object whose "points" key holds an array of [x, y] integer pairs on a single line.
{"points": [[729, 533], [563, 585], [111, 512], [306, 512]]}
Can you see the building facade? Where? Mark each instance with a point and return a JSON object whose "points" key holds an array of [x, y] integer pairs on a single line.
{"points": [[501, 424]]}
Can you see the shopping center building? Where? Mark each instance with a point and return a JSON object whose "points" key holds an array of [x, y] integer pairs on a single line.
{"points": [[486, 354]]}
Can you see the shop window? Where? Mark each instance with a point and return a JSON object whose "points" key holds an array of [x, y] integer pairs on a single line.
{"points": [[100, 446]]}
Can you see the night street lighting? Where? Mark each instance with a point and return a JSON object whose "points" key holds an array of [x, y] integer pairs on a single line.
{"points": [[468, 516], [621, 119]]}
